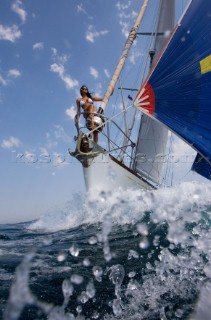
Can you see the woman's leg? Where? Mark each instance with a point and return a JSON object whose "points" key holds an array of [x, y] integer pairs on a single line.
{"points": [[89, 108]]}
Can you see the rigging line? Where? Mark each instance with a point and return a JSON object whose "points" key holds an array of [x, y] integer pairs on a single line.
{"points": [[109, 120], [172, 149], [168, 175], [166, 172]]}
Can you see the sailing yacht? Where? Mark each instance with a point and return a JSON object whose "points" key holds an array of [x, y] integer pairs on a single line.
{"points": [[174, 96]]}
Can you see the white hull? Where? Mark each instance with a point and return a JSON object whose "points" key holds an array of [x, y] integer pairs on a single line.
{"points": [[107, 174]]}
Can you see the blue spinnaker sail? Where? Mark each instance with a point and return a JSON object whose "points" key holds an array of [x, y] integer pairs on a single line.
{"points": [[178, 90]]}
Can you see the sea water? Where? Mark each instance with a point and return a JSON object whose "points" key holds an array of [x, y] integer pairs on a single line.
{"points": [[128, 255]]}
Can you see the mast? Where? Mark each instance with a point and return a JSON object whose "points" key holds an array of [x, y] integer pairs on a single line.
{"points": [[128, 44]]}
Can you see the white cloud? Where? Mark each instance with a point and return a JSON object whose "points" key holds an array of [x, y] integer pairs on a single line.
{"points": [[123, 7], [125, 28], [54, 52], [125, 15], [3, 81], [80, 8], [91, 34], [9, 33], [11, 142], [17, 8], [38, 46], [93, 72], [60, 59], [71, 112], [14, 73], [59, 69], [107, 73]]}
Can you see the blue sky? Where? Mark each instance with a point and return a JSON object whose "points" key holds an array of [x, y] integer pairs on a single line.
{"points": [[48, 49]]}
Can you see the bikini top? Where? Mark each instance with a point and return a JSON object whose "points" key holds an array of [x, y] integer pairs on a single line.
{"points": [[83, 102]]}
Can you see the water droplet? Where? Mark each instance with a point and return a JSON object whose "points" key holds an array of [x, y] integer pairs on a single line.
{"points": [[97, 271], [74, 250], [131, 285], [107, 253], [179, 313], [83, 297], [77, 279], [117, 309], [142, 229], [144, 243], [133, 254], [131, 274], [149, 266], [90, 289], [79, 309], [47, 241], [86, 262], [95, 315], [67, 288], [156, 241], [117, 274], [61, 257], [93, 240]]}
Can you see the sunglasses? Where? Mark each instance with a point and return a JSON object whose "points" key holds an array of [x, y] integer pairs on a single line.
{"points": [[84, 88]]}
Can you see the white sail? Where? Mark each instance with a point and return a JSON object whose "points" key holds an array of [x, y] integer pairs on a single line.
{"points": [[153, 136], [150, 149]]}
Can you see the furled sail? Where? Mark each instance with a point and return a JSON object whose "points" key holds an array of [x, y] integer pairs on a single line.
{"points": [[152, 138], [178, 91]]}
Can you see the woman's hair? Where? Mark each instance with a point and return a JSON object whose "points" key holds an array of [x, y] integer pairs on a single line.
{"points": [[88, 93]]}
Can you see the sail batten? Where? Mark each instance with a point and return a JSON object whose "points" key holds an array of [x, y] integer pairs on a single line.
{"points": [[181, 81]]}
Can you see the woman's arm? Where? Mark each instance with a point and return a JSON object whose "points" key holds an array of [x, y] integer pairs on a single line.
{"points": [[97, 99], [78, 110]]}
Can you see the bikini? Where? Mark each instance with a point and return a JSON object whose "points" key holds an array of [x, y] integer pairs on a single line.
{"points": [[82, 103]]}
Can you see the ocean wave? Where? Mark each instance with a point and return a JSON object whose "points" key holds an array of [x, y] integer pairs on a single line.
{"points": [[186, 201]]}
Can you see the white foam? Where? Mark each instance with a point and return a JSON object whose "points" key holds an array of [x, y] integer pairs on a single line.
{"points": [[185, 201]]}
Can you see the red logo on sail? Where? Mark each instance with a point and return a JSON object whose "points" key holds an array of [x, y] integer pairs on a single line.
{"points": [[146, 99]]}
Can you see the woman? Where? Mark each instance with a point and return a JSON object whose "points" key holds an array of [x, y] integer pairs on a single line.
{"points": [[87, 104]]}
